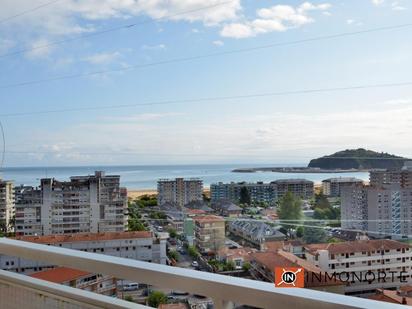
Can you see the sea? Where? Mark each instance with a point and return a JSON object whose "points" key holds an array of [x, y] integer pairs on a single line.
{"points": [[140, 177]]}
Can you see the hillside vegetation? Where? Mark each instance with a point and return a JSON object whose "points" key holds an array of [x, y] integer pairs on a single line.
{"points": [[358, 159]]}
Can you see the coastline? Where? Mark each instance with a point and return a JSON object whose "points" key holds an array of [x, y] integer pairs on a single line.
{"points": [[136, 193]]}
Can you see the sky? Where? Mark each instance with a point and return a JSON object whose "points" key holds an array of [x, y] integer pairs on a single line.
{"points": [[180, 52]]}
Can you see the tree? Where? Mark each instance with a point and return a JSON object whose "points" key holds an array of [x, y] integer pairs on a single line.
{"points": [[246, 266], [128, 298], [172, 232], [244, 196], [314, 234], [299, 231], [321, 201], [290, 210], [193, 252], [156, 298], [173, 254], [229, 266], [135, 225]]}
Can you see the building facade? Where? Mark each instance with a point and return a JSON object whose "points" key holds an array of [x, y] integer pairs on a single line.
{"points": [[142, 246], [7, 202], [209, 233], [299, 187], [332, 186], [84, 204], [179, 192], [383, 208], [364, 261], [259, 192]]}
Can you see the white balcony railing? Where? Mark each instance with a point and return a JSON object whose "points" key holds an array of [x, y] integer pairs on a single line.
{"points": [[224, 290]]}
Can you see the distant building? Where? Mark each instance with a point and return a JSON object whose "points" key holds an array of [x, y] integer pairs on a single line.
{"points": [[362, 257], [209, 233], [84, 204], [6, 205], [227, 208], [239, 256], [332, 186], [259, 192], [179, 191], [382, 208], [299, 187], [142, 246], [255, 232], [74, 278]]}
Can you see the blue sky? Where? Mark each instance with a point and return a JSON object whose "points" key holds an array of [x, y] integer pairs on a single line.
{"points": [[281, 129]]}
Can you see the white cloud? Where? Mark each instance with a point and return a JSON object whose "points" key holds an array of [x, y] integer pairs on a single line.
{"points": [[6, 45], [397, 6], [277, 18], [218, 43], [350, 21], [102, 58], [39, 49], [154, 47], [378, 2]]}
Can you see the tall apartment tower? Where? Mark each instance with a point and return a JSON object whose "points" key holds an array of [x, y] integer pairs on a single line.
{"points": [[6, 205], [179, 192], [384, 208], [84, 204]]}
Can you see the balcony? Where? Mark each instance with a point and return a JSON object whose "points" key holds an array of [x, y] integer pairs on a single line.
{"points": [[19, 291]]}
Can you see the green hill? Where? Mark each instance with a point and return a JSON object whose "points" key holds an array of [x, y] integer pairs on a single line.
{"points": [[358, 159]]}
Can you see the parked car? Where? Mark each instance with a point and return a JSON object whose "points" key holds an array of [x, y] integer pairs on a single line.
{"points": [[133, 286]]}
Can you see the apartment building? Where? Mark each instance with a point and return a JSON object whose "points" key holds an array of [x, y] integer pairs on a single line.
{"points": [[332, 186], [361, 263], [6, 205], [83, 280], [209, 233], [28, 210], [383, 208], [299, 187], [142, 246], [94, 203], [259, 192], [179, 192], [263, 265]]}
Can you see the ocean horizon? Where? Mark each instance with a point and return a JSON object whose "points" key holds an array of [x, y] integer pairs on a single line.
{"points": [[140, 177]]}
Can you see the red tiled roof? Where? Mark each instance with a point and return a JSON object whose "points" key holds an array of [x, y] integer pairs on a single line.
{"points": [[53, 239], [271, 260], [391, 297], [195, 211], [236, 253], [357, 246], [208, 218], [60, 274]]}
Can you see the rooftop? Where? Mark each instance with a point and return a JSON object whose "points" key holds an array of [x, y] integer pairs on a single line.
{"points": [[391, 297], [343, 179], [53, 239], [271, 260], [208, 218], [357, 246], [60, 274]]}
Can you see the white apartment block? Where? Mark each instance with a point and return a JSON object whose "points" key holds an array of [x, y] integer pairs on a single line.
{"points": [[383, 208], [332, 186], [179, 192], [142, 246], [6, 205], [84, 204], [364, 261]]}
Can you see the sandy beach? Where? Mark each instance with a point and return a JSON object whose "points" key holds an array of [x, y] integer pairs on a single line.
{"points": [[133, 194]]}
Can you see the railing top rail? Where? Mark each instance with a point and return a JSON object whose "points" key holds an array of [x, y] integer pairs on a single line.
{"points": [[238, 290]]}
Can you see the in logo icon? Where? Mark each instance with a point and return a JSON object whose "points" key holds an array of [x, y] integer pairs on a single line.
{"points": [[289, 277]]}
